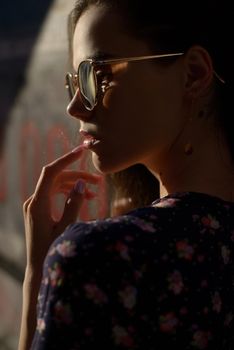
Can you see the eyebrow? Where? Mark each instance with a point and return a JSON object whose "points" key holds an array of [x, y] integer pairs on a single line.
{"points": [[100, 55]]}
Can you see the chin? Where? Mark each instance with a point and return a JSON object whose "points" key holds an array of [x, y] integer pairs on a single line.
{"points": [[108, 165]]}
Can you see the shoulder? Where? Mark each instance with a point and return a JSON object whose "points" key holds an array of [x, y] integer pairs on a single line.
{"points": [[174, 218], [91, 235], [98, 242], [138, 221]]}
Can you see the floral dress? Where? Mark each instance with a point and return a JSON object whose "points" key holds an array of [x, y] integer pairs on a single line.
{"points": [[159, 277]]}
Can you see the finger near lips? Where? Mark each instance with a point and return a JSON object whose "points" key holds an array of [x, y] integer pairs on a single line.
{"points": [[55, 179], [68, 158]]}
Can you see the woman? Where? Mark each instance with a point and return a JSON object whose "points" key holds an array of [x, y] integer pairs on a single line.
{"points": [[152, 86]]}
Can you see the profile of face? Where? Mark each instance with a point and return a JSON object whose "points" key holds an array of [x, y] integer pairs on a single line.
{"points": [[140, 114]]}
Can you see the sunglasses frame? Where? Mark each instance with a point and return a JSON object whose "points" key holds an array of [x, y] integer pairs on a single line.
{"points": [[93, 63], [71, 76]]}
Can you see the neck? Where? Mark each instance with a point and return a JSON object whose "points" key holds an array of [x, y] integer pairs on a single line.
{"points": [[208, 169]]}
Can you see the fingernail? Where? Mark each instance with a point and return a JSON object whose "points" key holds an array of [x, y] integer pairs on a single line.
{"points": [[79, 187], [78, 149]]}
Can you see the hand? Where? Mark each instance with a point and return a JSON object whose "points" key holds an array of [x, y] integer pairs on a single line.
{"points": [[40, 227]]}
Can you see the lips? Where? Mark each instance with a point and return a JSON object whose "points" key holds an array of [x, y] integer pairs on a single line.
{"points": [[89, 139], [90, 143]]}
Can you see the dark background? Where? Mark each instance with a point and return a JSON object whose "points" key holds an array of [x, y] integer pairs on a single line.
{"points": [[20, 23]]}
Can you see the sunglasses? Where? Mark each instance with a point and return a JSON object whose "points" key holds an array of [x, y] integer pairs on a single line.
{"points": [[92, 83]]}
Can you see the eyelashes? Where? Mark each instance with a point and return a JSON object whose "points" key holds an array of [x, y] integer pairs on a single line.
{"points": [[104, 79], [102, 75]]}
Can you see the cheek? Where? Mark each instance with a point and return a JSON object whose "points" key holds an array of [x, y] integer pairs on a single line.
{"points": [[118, 98], [124, 103], [129, 113], [143, 110]]}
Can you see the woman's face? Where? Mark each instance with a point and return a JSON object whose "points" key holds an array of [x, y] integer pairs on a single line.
{"points": [[140, 115]]}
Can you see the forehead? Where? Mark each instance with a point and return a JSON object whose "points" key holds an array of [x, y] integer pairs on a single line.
{"points": [[100, 30]]}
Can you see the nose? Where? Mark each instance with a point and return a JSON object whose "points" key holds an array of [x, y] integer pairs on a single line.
{"points": [[77, 109]]}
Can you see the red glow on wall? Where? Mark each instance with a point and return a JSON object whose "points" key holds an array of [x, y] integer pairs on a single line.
{"points": [[30, 158], [57, 136]]}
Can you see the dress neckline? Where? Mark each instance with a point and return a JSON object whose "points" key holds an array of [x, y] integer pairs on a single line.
{"points": [[193, 194]]}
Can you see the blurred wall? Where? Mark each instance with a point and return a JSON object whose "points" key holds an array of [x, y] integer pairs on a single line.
{"points": [[33, 61]]}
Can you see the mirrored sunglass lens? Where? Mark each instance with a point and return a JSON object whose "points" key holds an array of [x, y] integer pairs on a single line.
{"points": [[87, 84]]}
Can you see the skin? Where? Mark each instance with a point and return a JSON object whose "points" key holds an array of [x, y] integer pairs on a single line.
{"points": [[112, 120], [148, 116], [152, 110]]}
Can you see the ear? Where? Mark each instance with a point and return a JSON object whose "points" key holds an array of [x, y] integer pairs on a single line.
{"points": [[198, 71]]}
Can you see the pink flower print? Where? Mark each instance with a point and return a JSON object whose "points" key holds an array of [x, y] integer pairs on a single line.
{"points": [[217, 302], [56, 275], [225, 252], [123, 250], [184, 250], [63, 313], [45, 281], [122, 337], [94, 293], [175, 282], [138, 274], [211, 222], [66, 248], [128, 297], [201, 339], [204, 284], [168, 322], [166, 203], [52, 251], [40, 299], [41, 325]]}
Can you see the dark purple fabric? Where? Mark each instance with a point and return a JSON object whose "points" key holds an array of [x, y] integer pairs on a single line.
{"points": [[160, 277]]}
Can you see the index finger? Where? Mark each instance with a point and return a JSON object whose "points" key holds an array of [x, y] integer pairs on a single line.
{"points": [[51, 170]]}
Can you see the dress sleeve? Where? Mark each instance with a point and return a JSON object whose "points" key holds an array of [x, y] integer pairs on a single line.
{"points": [[89, 290]]}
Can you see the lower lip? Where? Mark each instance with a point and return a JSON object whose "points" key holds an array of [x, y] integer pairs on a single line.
{"points": [[90, 144]]}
